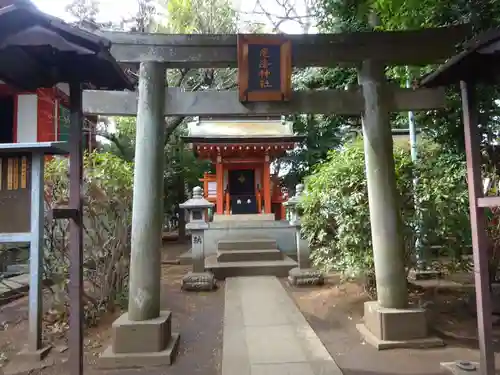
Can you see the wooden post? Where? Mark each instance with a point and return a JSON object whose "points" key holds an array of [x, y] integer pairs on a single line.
{"points": [[219, 176], [205, 184], [228, 203], [36, 253], [259, 200], [282, 211], [266, 183], [76, 231], [478, 227]]}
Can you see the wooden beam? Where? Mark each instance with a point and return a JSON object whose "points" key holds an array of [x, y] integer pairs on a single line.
{"points": [[226, 103], [413, 47], [488, 202], [14, 237]]}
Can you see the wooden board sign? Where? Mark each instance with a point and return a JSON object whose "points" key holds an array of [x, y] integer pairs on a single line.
{"points": [[264, 68], [15, 193]]}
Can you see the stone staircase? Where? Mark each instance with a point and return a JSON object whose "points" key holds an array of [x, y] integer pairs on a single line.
{"points": [[248, 257]]}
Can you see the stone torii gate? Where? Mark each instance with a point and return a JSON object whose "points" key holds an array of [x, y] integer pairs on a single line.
{"points": [[373, 99]]}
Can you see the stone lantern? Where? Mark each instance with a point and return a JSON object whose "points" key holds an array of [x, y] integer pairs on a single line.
{"points": [[197, 279], [303, 274]]}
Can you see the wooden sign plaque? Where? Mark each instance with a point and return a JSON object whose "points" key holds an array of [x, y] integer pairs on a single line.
{"points": [[15, 193], [264, 68]]}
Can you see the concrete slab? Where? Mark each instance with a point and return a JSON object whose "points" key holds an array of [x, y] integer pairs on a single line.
{"points": [[265, 333], [247, 217]]}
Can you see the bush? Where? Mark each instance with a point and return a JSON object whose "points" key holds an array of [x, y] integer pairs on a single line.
{"points": [[336, 218], [443, 202], [107, 195]]}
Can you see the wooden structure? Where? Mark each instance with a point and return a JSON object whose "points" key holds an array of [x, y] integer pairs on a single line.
{"points": [[477, 64], [52, 52], [242, 151], [22, 218], [40, 115], [264, 68]]}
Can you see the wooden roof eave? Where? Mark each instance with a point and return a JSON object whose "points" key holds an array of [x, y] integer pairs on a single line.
{"points": [[478, 62], [243, 140]]}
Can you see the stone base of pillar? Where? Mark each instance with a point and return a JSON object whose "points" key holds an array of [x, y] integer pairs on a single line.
{"points": [[186, 258], [303, 277], [460, 367], [198, 281], [417, 275], [34, 356], [396, 328], [141, 343]]}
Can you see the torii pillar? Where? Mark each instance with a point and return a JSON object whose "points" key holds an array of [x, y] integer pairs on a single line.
{"points": [[142, 336], [388, 322]]}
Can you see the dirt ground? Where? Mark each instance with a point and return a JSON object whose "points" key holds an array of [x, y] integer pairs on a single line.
{"points": [[332, 310], [196, 316]]}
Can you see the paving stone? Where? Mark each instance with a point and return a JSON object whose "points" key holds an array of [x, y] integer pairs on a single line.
{"points": [[266, 334]]}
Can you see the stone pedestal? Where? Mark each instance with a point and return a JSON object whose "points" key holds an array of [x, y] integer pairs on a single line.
{"points": [[305, 277], [141, 343], [198, 281], [27, 355], [460, 367], [387, 328], [417, 275]]}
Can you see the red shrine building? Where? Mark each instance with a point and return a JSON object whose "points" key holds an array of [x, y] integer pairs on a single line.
{"points": [[242, 152], [38, 116]]}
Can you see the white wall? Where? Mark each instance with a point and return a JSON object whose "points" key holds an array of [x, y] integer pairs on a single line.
{"points": [[27, 118]]}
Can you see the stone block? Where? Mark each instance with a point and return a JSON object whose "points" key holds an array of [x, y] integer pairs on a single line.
{"points": [[146, 336], [198, 281], [460, 367], [387, 328], [395, 324], [305, 277], [111, 360], [34, 356], [418, 275]]}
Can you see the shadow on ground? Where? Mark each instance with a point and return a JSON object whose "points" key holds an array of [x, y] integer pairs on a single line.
{"points": [[334, 310], [196, 316]]}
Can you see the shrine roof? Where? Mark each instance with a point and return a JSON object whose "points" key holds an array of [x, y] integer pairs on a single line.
{"points": [[52, 51], [478, 62], [241, 130]]}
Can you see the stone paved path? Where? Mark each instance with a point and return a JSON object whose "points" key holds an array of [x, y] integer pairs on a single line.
{"points": [[266, 334]]}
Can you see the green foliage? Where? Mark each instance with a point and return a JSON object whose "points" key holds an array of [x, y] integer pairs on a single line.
{"points": [[443, 126], [336, 218], [182, 171], [122, 139], [200, 17], [322, 133], [443, 201], [107, 201]]}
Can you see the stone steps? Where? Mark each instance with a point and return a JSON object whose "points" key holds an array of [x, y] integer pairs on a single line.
{"points": [[246, 244], [221, 270], [248, 255]]}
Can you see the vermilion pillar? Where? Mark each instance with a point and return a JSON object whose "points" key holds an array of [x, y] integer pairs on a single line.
{"points": [[266, 184], [219, 177]]}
